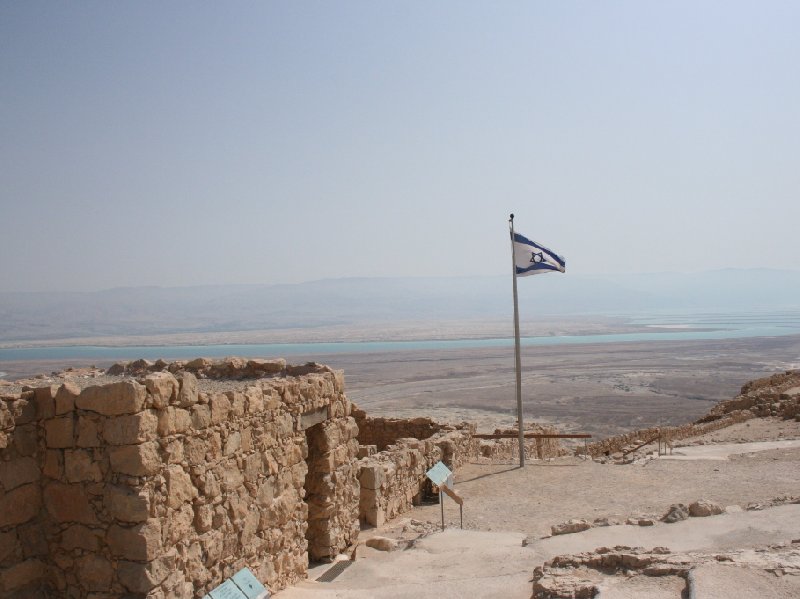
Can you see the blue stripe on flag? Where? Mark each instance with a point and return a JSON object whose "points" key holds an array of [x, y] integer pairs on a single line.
{"points": [[522, 239]]}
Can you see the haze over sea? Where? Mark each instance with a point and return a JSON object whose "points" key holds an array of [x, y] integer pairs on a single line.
{"points": [[676, 327]]}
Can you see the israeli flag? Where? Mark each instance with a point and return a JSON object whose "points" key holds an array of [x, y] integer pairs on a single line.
{"points": [[530, 258]]}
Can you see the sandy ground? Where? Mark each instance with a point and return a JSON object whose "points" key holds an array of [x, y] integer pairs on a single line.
{"points": [[505, 505]]}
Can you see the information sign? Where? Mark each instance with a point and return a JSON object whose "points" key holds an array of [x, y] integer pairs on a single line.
{"points": [[440, 475], [242, 585]]}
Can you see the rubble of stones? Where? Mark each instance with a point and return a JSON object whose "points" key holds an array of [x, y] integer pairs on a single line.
{"points": [[580, 576], [777, 395]]}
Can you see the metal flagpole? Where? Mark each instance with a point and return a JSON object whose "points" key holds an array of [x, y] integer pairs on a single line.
{"points": [[516, 349]]}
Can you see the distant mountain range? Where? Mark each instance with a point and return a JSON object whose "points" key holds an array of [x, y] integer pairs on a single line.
{"points": [[170, 310]]}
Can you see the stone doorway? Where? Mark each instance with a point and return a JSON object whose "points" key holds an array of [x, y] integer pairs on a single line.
{"points": [[318, 495]]}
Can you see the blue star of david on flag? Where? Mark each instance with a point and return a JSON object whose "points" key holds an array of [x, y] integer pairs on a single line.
{"points": [[530, 258]]}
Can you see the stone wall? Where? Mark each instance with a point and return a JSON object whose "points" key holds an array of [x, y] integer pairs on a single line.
{"points": [[393, 480], [155, 488], [383, 432], [777, 395], [619, 443]]}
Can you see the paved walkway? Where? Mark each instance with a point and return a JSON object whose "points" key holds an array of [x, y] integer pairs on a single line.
{"points": [[455, 563]]}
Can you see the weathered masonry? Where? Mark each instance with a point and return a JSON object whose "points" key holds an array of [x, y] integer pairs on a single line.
{"points": [[170, 478], [159, 490]]}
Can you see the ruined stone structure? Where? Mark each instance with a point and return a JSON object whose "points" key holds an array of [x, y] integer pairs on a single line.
{"points": [[168, 478], [396, 453], [159, 489]]}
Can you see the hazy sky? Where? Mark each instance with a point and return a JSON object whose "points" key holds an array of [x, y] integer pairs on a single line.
{"points": [[188, 143]]}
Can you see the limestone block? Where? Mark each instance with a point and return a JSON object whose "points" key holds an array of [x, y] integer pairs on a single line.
{"points": [[45, 402], [65, 398], [254, 400], [237, 402], [127, 505], [94, 572], [80, 466], [284, 425], [130, 429], [136, 460], [253, 465], [20, 575], [220, 408], [188, 395], [375, 516], [114, 399], [24, 409], [53, 464], [143, 577], [58, 432], [180, 524], [249, 528], [266, 367], [194, 449], [174, 451], [68, 503], [88, 432], [212, 543], [231, 479], [201, 416], [141, 542], [382, 543], [173, 420], [371, 477], [203, 518], [19, 505], [365, 451], [703, 507], [199, 364], [162, 387], [79, 536], [266, 492], [18, 472], [232, 444], [247, 439], [179, 487]]}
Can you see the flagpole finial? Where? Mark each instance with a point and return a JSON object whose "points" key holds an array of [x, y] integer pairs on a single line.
{"points": [[512, 217]]}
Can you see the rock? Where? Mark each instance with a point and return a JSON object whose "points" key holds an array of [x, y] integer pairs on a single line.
{"points": [[382, 543], [640, 521], [163, 387], [676, 513], [703, 507], [114, 399], [570, 526], [117, 369]]}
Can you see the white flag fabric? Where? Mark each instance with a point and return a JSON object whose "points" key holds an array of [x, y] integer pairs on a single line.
{"points": [[531, 258]]}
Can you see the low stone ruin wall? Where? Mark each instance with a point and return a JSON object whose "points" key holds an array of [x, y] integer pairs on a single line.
{"points": [[508, 449], [618, 443], [383, 432], [156, 489], [777, 395], [393, 480]]}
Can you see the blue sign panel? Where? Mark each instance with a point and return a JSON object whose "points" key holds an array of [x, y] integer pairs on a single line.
{"points": [[227, 590], [439, 474], [249, 584]]}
